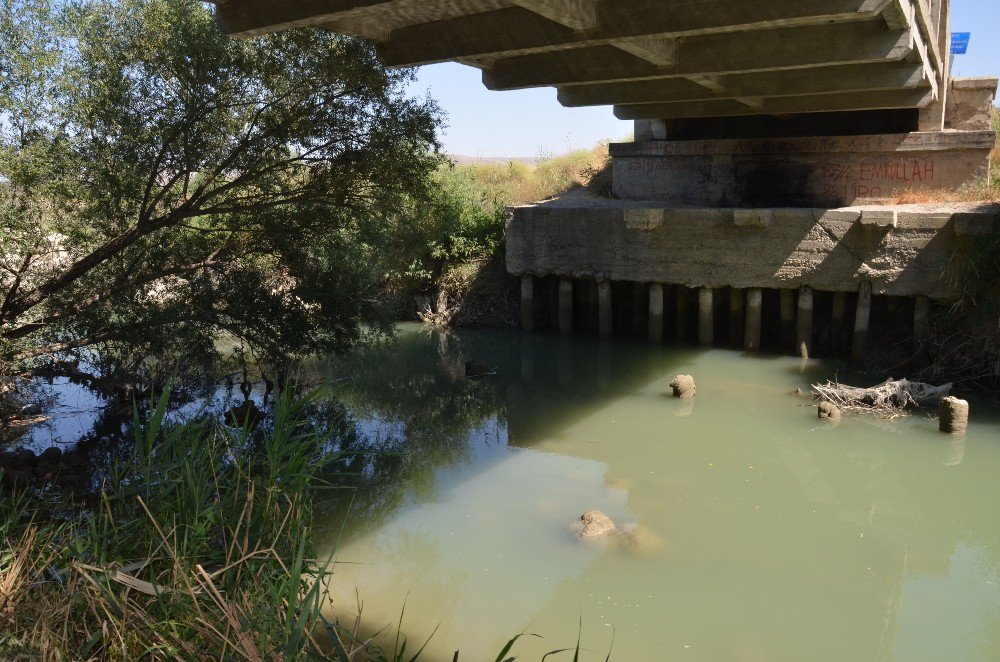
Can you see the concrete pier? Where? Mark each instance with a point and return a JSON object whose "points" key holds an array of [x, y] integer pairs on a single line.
{"points": [[656, 313], [683, 301], [861, 320], [921, 321], [604, 322], [736, 321], [804, 326], [838, 322], [565, 305], [706, 316], [751, 339], [528, 302], [787, 318], [640, 305]]}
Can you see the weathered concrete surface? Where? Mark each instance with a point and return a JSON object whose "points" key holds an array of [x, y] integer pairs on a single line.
{"points": [[970, 104], [813, 172], [826, 249], [714, 54]]}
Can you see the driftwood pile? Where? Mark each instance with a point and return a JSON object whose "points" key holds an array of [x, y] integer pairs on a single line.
{"points": [[889, 399]]}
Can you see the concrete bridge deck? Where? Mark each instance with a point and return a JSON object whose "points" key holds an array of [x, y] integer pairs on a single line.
{"points": [[655, 59]]}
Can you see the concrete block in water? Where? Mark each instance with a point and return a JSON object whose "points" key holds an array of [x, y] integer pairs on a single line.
{"points": [[954, 415], [683, 386], [829, 411], [595, 524]]}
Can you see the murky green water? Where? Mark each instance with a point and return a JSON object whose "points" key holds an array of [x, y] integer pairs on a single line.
{"points": [[766, 534]]}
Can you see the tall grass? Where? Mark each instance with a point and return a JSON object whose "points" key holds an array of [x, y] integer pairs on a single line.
{"points": [[197, 546]]}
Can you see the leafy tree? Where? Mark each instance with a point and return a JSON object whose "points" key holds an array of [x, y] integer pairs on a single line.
{"points": [[162, 184]]}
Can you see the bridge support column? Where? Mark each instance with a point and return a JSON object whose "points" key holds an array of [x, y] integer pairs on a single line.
{"points": [[683, 308], [804, 329], [751, 339], [604, 321], [860, 344], [527, 302], [706, 316], [838, 321], [656, 313], [736, 323], [921, 321], [566, 305], [787, 318], [640, 302]]}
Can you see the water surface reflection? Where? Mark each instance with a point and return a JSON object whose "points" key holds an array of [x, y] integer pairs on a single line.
{"points": [[784, 538]]}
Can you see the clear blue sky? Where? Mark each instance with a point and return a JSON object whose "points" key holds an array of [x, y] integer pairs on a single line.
{"points": [[531, 122]]}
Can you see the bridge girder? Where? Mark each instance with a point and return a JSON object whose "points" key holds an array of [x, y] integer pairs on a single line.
{"points": [[654, 59]]}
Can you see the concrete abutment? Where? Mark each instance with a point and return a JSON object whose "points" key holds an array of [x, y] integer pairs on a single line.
{"points": [[800, 233]]}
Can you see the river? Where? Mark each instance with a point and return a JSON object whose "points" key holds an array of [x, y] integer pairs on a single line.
{"points": [[758, 531], [753, 530]]}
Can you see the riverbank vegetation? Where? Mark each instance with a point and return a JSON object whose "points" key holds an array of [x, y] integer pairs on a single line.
{"points": [[196, 544], [464, 281], [164, 185]]}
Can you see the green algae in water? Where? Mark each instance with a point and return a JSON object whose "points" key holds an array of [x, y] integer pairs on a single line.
{"points": [[769, 535]]}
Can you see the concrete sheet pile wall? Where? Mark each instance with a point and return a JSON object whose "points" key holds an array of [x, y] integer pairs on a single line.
{"points": [[902, 253]]}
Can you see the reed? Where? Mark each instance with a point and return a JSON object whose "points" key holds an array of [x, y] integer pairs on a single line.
{"points": [[197, 545]]}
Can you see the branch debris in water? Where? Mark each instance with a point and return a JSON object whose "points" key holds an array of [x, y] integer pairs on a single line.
{"points": [[889, 399]]}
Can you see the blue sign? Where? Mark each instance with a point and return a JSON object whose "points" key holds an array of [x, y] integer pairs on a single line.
{"points": [[960, 42]]}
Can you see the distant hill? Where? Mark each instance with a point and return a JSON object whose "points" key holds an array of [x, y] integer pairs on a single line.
{"points": [[491, 160]]}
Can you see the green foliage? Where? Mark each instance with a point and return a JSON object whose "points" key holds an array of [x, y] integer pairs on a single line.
{"points": [[463, 221], [163, 184]]}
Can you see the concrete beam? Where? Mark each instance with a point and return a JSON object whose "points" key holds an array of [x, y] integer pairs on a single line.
{"points": [[247, 18], [575, 14], [658, 50], [776, 106], [744, 52], [524, 29], [794, 82]]}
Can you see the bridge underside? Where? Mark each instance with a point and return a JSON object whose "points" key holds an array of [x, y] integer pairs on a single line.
{"points": [[655, 59], [768, 132]]}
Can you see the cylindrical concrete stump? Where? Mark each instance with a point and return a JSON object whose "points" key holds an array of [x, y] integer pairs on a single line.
{"points": [[736, 323], [604, 363], [860, 344], [566, 305], [683, 386], [787, 318], [604, 322], [656, 312], [528, 302], [829, 411], [751, 338], [683, 308], [706, 317], [804, 326], [565, 360], [921, 321], [838, 321], [954, 415]]}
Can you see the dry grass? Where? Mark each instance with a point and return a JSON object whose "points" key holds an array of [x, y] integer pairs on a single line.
{"points": [[985, 190], [517, 183]]}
